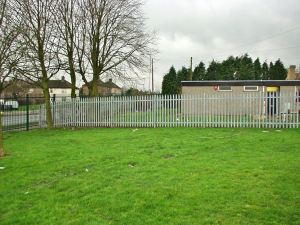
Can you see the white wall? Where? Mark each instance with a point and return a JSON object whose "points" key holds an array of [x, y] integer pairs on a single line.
{"points": [[62, 92]]}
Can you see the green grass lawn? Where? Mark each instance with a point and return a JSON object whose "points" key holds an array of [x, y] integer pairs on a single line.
{"points": [[181, 176]]}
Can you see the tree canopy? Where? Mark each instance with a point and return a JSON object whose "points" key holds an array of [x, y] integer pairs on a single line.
{"points": [[233, 68], [169, 84]]}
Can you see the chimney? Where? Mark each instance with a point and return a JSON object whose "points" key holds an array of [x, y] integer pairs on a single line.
{"points": [[63, 78], [291, 73]]}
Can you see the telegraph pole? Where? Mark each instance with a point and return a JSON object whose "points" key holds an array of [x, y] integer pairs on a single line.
{"points": [[191, 70], [152, 76]]}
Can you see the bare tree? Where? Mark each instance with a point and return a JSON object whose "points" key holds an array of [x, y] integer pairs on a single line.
{"points": [[67, 22], [115, 40], [9, 58], [41, 37]]}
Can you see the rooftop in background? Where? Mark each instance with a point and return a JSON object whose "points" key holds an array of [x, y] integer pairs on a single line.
{"points": [[60, 83], [107, 84], [293, 73], [242, 83]]}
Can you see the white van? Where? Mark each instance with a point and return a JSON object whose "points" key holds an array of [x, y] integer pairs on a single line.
{"points": [[11, 105]]}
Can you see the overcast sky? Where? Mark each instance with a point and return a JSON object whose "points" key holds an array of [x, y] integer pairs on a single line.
{"points": [[216, 29]]}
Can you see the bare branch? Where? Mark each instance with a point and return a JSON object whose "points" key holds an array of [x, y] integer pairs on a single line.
{"points": [[116, 43]]}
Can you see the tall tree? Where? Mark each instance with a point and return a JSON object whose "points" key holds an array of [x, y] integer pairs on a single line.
{"points": [[116, 41], [199, 72], [182, 75], [257, 69], [279, 72], [265, 71], [228, 69], [245, 68], [9, 32], [213, 71], [271, 71], [41, 37], [169, 84], [68, 21]]}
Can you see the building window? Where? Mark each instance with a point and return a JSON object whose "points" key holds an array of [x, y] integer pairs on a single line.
{"points": [[224, 88], [250, 88], [51, 90], [63, 91]]}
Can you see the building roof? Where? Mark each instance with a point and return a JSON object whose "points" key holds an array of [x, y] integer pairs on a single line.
{"points": [[110, 84], [242, 83], [60, 84], [107, 84]]}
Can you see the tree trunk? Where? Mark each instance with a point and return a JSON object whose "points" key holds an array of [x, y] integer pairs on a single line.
{"points": [[94, 89], [45, 86], [49, 119], [73, 86], [2, 153], [96, 77], [72, 73]]}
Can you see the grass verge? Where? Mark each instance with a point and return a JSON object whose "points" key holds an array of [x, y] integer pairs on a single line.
{"points": [[151, 176]]}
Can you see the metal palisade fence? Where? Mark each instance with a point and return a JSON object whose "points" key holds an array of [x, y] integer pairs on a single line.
{"points": [[250, 109], [21, 113]]}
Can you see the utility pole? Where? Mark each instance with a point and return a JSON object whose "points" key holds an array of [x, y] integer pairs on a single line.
{"points": [[152, 76], [191, 70], [150, 72]]}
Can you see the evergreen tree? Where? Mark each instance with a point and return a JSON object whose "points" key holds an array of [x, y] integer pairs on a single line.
{"points": [[257, 69], [278, 71], [199, 72], [233, 68], [182, 74], [271, 71], [245, 68], [265, 71], [228, 69], [213, 71], [169, 84]]}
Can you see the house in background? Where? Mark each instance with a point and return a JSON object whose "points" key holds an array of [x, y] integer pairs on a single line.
{"points": [[293, 74], [104, 88], [19, 89], [61, 89]]}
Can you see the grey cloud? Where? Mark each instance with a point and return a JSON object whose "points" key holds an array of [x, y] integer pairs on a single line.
{"points": [[207, 29]]}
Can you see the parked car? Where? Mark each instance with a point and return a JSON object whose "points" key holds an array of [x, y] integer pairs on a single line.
{"points": [[11, 105]]}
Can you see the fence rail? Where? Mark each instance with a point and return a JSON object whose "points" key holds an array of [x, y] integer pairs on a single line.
{"points": [[250, 109]]}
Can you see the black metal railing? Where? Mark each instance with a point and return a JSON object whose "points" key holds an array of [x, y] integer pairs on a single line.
{"points": [[25, 113]]}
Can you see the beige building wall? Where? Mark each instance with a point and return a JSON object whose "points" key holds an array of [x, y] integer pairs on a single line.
{"points": [[214, 102], [235, 102], [85, 90], [211, 90]]}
